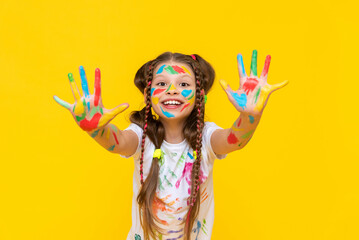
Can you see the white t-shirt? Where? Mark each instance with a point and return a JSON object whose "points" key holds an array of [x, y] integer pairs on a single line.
{"points": [[174, 186]]}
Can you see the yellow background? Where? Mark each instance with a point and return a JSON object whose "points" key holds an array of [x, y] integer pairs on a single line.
{"points": [[296, 179]]}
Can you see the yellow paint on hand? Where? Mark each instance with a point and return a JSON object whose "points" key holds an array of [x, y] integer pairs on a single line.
{"points": [[108, 116], [108, 133], [79, 108], [224, 84], [237, 129]]}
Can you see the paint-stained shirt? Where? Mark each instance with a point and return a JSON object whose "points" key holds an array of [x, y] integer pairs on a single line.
{"points": [[174, 186]]}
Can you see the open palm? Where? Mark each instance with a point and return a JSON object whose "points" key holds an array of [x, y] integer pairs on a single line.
{"points": [[88, 110], [253, 92]]}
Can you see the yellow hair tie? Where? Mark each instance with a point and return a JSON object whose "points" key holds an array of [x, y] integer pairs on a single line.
{"points": [[157, 153], [195, 154]]}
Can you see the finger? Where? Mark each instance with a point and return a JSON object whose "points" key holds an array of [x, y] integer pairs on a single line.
{"points": [[74, 88], [62, 103], [264, 74], [279, 85], [113, 113], [241, 70], [84, 83], [97, 86], [254, 64], [225, 86]]}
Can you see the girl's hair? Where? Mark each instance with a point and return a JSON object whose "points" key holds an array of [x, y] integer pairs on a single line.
{"points": [[192, 131]]}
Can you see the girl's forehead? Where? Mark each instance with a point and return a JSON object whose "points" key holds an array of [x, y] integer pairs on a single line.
{"points": [[171, 68]]}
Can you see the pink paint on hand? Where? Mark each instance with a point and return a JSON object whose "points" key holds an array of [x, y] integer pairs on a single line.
{"points": [[97, 86], [92, 124], [266, 66], [114, 134], [250, 85], [239, 122], [232, 138]]}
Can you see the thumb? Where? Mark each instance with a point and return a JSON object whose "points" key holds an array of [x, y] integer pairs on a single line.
{"points": [[62, 102], [279, 85], [225, 86], [112, 114]]}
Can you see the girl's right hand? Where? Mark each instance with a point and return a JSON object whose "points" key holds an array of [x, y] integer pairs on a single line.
{"points": [[88, 110]]}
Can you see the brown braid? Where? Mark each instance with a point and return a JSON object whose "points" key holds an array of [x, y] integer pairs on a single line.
{"points": [[194, 199], [148, 106]]}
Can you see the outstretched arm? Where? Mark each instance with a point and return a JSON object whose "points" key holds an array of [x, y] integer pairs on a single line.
{"points": [[250, 100]]}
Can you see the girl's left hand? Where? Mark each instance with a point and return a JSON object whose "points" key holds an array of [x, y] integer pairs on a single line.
{"points": [[253, 92]]}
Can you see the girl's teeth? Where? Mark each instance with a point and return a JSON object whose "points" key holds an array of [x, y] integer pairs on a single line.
{"points": [[172, 103]]}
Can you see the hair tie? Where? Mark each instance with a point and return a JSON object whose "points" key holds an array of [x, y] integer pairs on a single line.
{"points": [[195, 154], [194, 57], [157, 153]]}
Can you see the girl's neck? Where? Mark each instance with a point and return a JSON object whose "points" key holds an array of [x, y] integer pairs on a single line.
{"points": [[173, 131]]}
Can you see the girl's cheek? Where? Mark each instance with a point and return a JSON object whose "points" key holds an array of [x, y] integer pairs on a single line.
{"points": [[155, 92]]}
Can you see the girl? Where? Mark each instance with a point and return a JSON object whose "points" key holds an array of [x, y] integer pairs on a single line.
{"points": [[173, 148]]}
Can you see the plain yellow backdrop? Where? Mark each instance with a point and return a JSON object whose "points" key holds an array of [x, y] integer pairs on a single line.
{"points": [[296, 179]]}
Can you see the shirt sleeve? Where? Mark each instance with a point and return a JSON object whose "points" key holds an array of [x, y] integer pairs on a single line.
{"points": [[138, 130], [208, 129]]}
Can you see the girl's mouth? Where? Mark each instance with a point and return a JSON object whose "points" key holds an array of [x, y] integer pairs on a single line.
{"points": [[172, 104]]}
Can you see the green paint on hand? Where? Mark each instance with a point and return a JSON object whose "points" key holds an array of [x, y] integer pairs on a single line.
{"points": [[93, 111], [257, 94], [254, 63], [247, 134], [111, 148], [101, 111], [71, 77], [102, 132]]}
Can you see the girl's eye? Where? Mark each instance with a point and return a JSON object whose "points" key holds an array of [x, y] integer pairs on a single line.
{"points": [[184, 84], [161, 84]]}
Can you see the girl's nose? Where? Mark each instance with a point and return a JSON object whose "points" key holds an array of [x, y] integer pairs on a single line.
{"points": [[172, 90]]}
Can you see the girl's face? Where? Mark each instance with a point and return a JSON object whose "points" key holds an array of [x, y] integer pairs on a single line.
{"points": [[173, 90]]}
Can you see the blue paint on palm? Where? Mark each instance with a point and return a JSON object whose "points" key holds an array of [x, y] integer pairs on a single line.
{"points": [[186, 93], [251, 119], [111, 148], [241, 100], [160, 70], [84, 84], [167, 114], [88, 106]]}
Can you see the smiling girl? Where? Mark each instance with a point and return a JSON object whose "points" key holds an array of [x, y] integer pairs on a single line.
{"points": [[172, 146]]}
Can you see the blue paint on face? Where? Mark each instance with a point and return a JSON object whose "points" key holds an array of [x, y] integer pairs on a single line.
{"points": [[185, 93], [160, 70], [152, 90], [251, 119], [167, 114], [241, 100]]}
